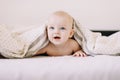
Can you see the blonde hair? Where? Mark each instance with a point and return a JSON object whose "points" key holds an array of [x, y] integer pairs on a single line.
{"points": [[64, 14]]}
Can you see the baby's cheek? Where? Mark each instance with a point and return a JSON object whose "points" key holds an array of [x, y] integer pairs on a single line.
{"points": [[66, 37]]}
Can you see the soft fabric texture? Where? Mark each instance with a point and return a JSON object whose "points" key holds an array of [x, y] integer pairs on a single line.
{"points": [[22, 42], [100, 67], [94, 43], [26, 42]]}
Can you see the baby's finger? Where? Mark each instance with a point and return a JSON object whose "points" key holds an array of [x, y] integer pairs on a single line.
{"points": [[83, 55], [76, 55]]}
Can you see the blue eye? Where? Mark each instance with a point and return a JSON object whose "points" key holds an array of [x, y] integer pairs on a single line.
{"points": [[51, 27], [62, 28]]}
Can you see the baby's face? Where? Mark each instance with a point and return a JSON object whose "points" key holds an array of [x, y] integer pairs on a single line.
{"points": [[59, 29]]}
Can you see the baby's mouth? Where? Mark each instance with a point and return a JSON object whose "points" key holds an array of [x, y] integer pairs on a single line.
{"points": [[56, 37]]}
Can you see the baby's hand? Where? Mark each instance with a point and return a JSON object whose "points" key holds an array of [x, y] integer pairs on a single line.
{"points": [[79, 54]]}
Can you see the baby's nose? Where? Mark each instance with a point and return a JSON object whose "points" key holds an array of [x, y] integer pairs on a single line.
{"points": [[57, 31]]}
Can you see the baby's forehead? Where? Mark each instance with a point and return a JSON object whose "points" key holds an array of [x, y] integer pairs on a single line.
{"points": [[60, 16]]}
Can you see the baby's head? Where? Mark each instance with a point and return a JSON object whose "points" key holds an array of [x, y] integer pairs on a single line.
{"points": [[60, 27]]}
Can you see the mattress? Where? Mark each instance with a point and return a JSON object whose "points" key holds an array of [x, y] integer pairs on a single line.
{"points": [[100, 67]]}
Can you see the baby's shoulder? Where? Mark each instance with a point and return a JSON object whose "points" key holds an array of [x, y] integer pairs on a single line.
{"points": [[73, 42], [74, 45]]}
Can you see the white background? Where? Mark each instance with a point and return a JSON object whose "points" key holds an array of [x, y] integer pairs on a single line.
{"points": [[93, 14]]}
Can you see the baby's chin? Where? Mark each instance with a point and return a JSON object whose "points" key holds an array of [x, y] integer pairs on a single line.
{"points": [[57, 43]]}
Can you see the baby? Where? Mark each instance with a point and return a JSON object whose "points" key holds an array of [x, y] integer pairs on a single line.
{"points": [[60, 31]]}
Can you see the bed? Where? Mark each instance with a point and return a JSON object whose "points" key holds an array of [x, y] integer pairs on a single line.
{"points": [[99, 67]]}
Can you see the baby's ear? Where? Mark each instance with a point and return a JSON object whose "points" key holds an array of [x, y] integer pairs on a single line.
{"points": [[71, 33]]}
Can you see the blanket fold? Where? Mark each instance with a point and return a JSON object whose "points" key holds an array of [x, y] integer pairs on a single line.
{"points": [[26, 42], [23, 42], [94, 43]]}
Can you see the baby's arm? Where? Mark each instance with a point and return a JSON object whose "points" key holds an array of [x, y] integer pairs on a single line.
{"points": [[41, 51], [78, 50]]}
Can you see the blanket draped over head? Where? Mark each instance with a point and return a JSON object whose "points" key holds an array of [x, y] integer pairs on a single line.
{"points": [[25, 42]]}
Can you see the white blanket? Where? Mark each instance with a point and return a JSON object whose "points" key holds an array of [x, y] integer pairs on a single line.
{"points": [[22, 42], [94, 43], [25, 42]]}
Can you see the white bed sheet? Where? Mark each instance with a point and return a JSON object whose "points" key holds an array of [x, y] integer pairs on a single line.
{"points": [[99, 67]]}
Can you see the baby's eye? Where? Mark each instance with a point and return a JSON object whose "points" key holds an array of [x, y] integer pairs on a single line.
{"points": [[62, 28], [51, 27]]}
